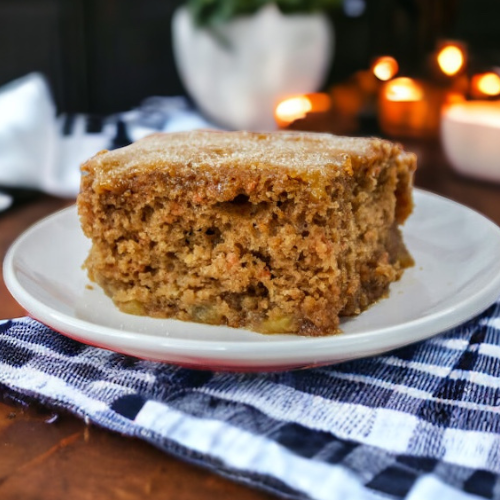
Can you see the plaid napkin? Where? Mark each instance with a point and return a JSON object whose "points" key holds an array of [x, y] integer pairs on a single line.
{"points": [[422, 422]]}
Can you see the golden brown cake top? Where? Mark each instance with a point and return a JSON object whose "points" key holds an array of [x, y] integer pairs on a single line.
{"points": [[299, 154]]}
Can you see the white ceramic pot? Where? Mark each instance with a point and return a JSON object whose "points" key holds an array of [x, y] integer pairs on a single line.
{"points": [[264, 58]]}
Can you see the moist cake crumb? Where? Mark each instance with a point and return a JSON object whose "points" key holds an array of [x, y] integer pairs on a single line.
{"points": [[279, 232]]}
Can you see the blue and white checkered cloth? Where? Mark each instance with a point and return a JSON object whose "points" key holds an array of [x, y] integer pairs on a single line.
{"points": [[422, 422]]}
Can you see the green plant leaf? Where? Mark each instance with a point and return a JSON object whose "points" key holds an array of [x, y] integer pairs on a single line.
{"points": [[211, 13]]}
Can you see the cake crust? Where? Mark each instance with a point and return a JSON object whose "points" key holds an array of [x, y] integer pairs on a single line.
{"points": [[278, 232]]}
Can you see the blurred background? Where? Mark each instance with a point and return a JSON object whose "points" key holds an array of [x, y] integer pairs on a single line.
{"points": [[103, 56], [403, 69]]}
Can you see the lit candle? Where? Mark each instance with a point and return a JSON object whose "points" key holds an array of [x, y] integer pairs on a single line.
{"points": [[297, 107], [291, 109], [409, 108], [470, 133], [451, 59], [385, 68], [485, 85], [449, 65]]}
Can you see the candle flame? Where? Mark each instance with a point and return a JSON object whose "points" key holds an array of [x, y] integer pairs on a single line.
{"points": [[451, 59], [487, 84], [404, 89], [295, 108], [385, 68]]}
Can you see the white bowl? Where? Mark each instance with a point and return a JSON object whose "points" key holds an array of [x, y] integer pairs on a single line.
{"points": [[470, 134]]}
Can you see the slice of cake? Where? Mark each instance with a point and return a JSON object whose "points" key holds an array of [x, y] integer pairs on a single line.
{"points": [[278, 232]]}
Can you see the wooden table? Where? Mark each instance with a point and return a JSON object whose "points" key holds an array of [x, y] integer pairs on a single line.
{"points": [[47, 457]]}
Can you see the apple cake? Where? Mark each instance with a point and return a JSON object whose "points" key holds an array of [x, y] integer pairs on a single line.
{"points": [[278, 232]]}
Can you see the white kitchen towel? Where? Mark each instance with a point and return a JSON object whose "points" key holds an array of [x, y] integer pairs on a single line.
{"points": [[42, 151]]}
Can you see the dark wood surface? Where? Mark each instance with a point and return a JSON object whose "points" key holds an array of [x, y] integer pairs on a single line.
{"points": [[44, 457]]}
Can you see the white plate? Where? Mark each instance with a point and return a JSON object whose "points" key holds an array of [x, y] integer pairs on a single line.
{"points": [[456, 276]]}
